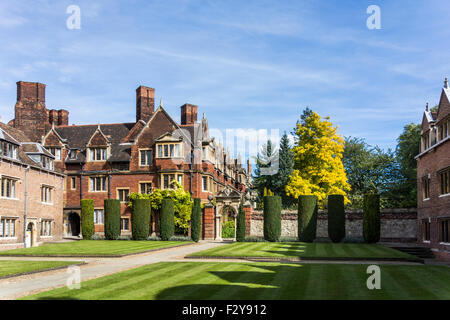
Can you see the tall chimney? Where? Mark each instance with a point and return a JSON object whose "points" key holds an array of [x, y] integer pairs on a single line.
{"points": [[145, 103], [188, 114]]}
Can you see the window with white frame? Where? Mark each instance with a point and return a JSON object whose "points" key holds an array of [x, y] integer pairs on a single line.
{"points": [[204, 184], [125, 224], [46, 228], [169, 150], [8, 150], [46, 194], [56, 152], [98, 154], [73, 183], [145, 157], [7, 227], [98, 216], [47, 162], [123, 195], [97, 184], [168, 178], [8, 187], [145, 187]]}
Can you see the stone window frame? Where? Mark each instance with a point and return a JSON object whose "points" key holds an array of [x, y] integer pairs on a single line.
{"points": [[161, 146], [426, 230], [93, 154], [3, 220], [13, 190], [103, 216], [425, 184], [177, 175], [49, 195], [73, 183], [118, 189], [91, 189], [149, 163], [444, 231], [42, 222], [145, 182], [444, 190], [50, 148], [129, 223]]}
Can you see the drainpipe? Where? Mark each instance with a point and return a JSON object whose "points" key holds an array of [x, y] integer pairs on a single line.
{"points": [[25, 206], [81, 183], [191, 174]]}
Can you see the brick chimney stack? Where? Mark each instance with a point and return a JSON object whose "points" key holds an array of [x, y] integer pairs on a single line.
{"points": [[30, 91], [188, 114], [145, 103], [249, 167]]}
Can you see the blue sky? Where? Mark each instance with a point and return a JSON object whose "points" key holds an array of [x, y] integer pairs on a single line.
{"points": [[246, 64]]}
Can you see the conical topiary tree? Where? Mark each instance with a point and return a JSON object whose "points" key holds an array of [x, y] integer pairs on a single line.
{"points": [[336, 218], [371, 218], [272, 218], [87, 218], [307, 218], [240, 228], [112, 218], [196, 223], [167, 219]]}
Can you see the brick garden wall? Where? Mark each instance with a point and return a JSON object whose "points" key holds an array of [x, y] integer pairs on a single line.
{"points": [[397, 225]]}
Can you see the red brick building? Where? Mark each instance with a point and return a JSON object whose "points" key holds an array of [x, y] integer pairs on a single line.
{"points": [[113, 160], [433, 174], [31, 192]]}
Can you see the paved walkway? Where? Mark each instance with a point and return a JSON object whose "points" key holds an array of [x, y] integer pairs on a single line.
{"points": [[17, 287]]}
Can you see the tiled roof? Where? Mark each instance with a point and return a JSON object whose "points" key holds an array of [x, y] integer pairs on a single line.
{"points": [[35, 148], [78, 136]]}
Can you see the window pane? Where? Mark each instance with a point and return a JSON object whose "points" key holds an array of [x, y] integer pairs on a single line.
{"points": [[160, 151], [166, 150], [171, 150]]}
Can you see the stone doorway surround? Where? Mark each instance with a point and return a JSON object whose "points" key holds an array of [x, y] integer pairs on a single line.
{"points": [[227, 198]]}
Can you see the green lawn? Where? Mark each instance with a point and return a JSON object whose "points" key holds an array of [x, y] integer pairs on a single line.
{"points": [[15, 267], [93, 248], [304, 250], [232, 281]]}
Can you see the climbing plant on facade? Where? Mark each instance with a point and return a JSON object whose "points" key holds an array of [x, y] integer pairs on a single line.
{"points": [[181, 199]]}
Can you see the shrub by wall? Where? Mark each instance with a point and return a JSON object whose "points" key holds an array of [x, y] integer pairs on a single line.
{"points": [[140, 219], [336, 218], [371, 218], [307, 217], [272, 218], [167, 219], [112, 219], [196, 223], [87, 218], [240, 228]]}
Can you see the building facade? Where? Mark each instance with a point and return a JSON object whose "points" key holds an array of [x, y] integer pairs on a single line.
{"points": [[31, 192], [433, 176], [114, 160]]}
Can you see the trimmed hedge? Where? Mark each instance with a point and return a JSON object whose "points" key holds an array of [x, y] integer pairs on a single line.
{"points": [[240, 228], [272, 218], [307, 218], [87, 218], [112, 219], [140, 219], [371, 218], [167, 219], [196, 220], [336, 218]]}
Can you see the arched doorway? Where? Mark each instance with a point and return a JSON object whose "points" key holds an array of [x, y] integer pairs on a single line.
{"points": [[73, 228], [228, 222], [30, 236]]}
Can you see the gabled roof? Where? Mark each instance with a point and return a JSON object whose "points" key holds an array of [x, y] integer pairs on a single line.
{"points": [[78, 137], [7, 137], [35, 148]]}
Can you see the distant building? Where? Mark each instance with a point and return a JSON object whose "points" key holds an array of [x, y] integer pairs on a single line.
{"points": [[31, 192], [113, 160], [433, 174]]}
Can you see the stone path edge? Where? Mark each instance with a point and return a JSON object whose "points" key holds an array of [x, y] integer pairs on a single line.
{"points": [[296, 259], [94, 256], [42, 270]]}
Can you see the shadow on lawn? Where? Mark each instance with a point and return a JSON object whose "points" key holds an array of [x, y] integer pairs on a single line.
{"points": [[235, 290], [291, 249]]}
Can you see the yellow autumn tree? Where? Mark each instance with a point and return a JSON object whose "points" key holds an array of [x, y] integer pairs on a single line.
{"points": [[318, 168]]}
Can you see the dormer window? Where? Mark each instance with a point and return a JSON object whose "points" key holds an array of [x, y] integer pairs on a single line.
{"points": [[56, 152], [169, 150], [8, 150], [73, 154], [98, 154]]}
